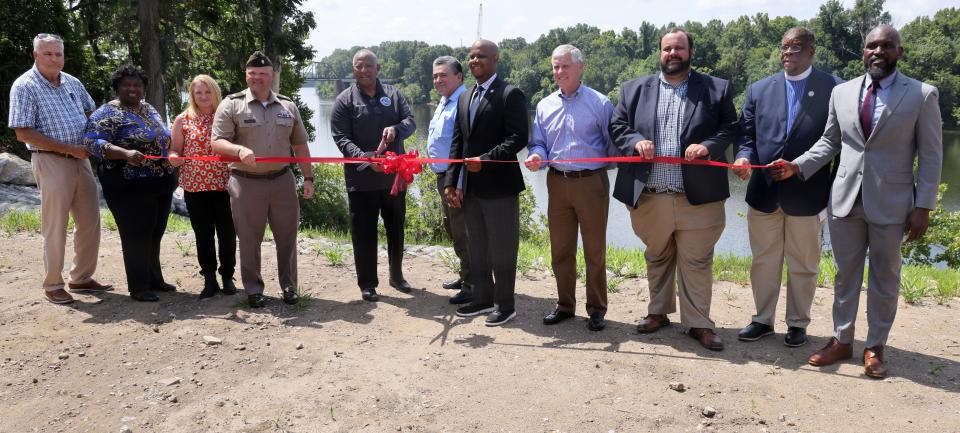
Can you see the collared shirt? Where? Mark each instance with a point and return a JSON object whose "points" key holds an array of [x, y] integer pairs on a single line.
{"points": [[670, 108], [58, 112], [441, 129], [795, 85], [573, 127], [138, 129], [882, 95], [486, 87], [268, 129], [357, 123]]}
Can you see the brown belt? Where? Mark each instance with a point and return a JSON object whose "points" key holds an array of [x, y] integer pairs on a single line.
{"points": [[576, 174], [270, 175], [53, 153]]}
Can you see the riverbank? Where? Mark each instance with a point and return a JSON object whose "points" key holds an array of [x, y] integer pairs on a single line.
{"points": [[335, 363], [918, 283]]}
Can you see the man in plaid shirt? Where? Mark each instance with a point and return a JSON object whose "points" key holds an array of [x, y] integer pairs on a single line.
{"points": [[48, 111], [676, 210]]}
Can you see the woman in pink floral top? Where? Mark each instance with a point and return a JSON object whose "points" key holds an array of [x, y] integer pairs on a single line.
{"points": [[205, 186]]}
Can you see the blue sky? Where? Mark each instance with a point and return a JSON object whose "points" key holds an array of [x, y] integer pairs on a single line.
{"points": [[346, 23]]}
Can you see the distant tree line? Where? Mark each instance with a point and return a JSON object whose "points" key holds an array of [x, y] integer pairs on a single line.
{"points": [[742, 51], [172, 40]]}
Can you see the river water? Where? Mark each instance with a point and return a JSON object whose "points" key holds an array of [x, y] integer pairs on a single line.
{"points": [[619, 232]]}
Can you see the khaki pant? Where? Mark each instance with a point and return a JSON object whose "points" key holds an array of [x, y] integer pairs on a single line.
{"points": [[774, 237], [579, 203], [679, 239], [67, 187], [254, 203]]}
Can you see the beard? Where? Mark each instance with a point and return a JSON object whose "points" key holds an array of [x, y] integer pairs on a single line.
{"points": [[877, 72], [673, 68]]}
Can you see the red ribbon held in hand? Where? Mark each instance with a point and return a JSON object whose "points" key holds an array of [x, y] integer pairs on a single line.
{"points": [[405, 166]]}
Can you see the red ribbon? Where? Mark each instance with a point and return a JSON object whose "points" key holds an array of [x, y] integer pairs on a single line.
{"points": [[405, 166]]}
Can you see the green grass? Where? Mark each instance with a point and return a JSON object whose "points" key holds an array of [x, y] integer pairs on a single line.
{"points": [[914, 285], [450, 260], [335, 255], [626, 262], [728, 267], [16, 221], [531, 256], [917, 282]]}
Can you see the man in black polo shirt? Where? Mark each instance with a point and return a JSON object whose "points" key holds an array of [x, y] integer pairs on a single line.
{"points": [[370, 118]]}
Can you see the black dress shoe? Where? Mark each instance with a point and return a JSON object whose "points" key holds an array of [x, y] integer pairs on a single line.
{"points": [[796, 337], [166, 287], [210, 286], [229, 289], [369, 295], [596, 322], [754, 331], [401, 285], [256, 301], [453, 285], [144, 296], [462, 297], [290, 297], [556, 316]]}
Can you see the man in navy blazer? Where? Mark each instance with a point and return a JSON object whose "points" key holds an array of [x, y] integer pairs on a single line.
{"points": [[783, 116], [677, 211]]}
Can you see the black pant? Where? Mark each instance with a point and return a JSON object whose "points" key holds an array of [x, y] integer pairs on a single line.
{"points": [[140, 208], [209, 214], [493, 231], [365, 207]]}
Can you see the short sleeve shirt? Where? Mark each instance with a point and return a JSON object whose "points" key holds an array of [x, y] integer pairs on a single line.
{"points": [[269, 130], [58, 112], [200, 175]]}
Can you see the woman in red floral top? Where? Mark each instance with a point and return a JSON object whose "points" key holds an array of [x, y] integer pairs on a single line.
{"points": [[205, 186]]}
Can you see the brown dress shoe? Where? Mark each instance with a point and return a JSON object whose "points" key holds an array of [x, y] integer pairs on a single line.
{"points": [[58, 296], [707, 338], [652, 323], [831, 353], [89, 286], [873, 364]]}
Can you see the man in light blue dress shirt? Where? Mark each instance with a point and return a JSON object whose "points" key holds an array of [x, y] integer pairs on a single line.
{"points": [[572, 123], [448, 80]]}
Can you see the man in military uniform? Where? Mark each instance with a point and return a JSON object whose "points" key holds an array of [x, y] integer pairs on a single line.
{"points": [[257, 122]]}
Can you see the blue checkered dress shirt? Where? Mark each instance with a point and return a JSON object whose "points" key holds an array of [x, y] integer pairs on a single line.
{"points": [[58, 112], [670, 107]]}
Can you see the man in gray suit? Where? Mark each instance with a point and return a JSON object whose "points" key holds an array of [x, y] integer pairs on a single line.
{"points": [[879, 123]]}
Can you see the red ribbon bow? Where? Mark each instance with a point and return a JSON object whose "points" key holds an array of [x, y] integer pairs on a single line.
{"points": [[405, 166]]}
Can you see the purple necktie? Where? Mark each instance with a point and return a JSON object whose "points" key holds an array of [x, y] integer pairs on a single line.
{"points": [[866, 109]]}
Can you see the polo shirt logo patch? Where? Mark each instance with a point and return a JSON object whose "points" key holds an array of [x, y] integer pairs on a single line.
{"points": [[385, 101]]}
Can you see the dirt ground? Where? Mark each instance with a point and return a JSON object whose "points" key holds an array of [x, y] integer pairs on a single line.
{"points": [[107, 364]]}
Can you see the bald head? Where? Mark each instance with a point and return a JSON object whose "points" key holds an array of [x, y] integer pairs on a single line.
{"points": [[488, 45], [885, 30], [881, 51], [483, 59]]}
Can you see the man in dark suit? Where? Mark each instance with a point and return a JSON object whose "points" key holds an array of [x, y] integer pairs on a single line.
{"points": [[677, 211], [491, 125], [783, 115]]}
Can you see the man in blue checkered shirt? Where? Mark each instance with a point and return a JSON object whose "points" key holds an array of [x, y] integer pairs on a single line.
{"points": [[676, 210], [48, 112]]}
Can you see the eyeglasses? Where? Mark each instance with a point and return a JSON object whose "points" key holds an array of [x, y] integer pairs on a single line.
{"points": [[791, 49], [42, 36]]}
